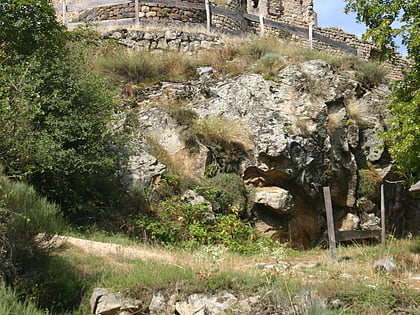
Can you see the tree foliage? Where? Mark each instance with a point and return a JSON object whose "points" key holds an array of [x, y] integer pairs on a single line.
{"points": [[28, 27], [386, 20], [55, 115]]}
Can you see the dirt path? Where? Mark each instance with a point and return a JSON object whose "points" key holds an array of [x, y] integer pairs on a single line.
{"points": [[180, 259], [116, 250]]}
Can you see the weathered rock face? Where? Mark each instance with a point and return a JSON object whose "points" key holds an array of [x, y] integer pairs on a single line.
{"points": [[313, 128], [302, 138]]}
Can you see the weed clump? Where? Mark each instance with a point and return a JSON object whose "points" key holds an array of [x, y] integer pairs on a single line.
{"points": [[369, 183]]}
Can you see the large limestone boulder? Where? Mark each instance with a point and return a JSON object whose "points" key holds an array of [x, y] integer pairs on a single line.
{"points": [[278, 199]]}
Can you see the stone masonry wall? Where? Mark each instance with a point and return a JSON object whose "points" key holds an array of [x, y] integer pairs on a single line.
{"points": [[147, 12], [164, 40], [228, 23]]}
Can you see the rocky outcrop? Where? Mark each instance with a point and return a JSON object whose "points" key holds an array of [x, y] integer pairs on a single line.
{"points": [[311, 127]]}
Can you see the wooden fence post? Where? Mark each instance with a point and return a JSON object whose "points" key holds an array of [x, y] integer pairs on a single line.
{"points": [[262, 25], [330, 223], [383, 231], [137, 11], [64, 13], [310, 36], [208, 15]]}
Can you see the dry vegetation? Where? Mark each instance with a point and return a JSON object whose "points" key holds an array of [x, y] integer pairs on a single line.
{"points": [[265, 56], [348, 287], [358, 111]]}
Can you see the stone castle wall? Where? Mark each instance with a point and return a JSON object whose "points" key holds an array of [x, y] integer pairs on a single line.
{"points": [[164, 40], [147, 12], [298, 13]]}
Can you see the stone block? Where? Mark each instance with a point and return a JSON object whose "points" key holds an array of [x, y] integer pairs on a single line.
{"points": [[151, 14]]}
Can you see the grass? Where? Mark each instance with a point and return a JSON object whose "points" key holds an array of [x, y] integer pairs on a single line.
{"points": [[265, 56], [147, 67], [11, 305], [358, 111], [215, 129], [313, 284]]}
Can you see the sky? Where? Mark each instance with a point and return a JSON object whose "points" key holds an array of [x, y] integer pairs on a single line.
{"points": [[331, 13]]}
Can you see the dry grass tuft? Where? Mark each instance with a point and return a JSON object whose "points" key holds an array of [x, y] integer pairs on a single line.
{"points": [[335, 121], [220, 129], [358, 111]]}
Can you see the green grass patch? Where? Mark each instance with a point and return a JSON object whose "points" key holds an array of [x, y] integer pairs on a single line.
{"points": [[10, 304]]}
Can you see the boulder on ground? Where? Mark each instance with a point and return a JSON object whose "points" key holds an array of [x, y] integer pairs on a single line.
{"points": [[103, 302]]}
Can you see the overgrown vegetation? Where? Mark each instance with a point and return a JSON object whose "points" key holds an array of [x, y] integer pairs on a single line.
{"points": [[147, 67], [166, 218], [10, 305], [23, 214], [313, 284], [369, 183], [264, 55], [55, 114], [57, 133]]}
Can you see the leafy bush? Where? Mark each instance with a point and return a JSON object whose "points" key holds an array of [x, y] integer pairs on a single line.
{"points": [[174, 222], [168, 221], [55, 118], [224, 191]]}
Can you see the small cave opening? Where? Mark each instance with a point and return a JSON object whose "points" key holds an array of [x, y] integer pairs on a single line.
{"points": [[270, 217], [255, 3]]}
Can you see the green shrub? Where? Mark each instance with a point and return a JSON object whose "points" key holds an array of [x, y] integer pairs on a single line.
{"points": [[170, 185], [363, 296], [369, 183], [168, 220], [224, 191], [177, 223]]}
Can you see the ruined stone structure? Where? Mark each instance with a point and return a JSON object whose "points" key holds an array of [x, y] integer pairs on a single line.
{"points": [[289, 19]]}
